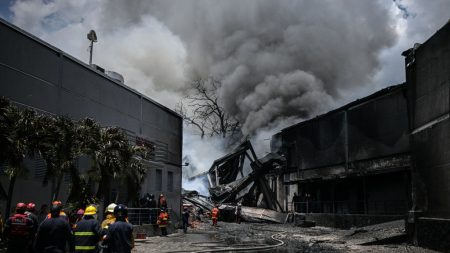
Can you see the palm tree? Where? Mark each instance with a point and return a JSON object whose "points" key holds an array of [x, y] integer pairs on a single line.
{"points": [[58, 146], [17, 142], [88, 142], [133, 170]]}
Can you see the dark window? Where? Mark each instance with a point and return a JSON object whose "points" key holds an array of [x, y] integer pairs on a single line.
{"points": [[158, 183], [170, 181]]}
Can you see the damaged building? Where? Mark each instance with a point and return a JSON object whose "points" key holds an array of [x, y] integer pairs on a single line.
{"points": [[428, 79], [352, 160], [382, 157]]}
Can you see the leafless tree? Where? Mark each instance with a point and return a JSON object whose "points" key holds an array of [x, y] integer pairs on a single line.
{"points": [[202, 109]]}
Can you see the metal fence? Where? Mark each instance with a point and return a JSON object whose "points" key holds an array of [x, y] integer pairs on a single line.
{"points": [[351, 207], [141, 216]]}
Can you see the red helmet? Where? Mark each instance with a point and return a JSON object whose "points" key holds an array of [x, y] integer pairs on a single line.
{"points": [[21, 207], [57, 203], [31, 206]]}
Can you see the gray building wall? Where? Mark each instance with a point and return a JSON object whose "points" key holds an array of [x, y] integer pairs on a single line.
{"points": [[37, 75]]}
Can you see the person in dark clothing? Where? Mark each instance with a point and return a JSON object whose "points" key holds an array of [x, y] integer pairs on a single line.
{"points": [[54, 234], [296, 202], [31, 213], [153, 210], [119, 237], [185, 217], [19, 230], [152, 201], [87, 232]]}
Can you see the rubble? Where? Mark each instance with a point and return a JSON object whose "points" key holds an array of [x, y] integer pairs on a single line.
{"points": [[239, 177]]}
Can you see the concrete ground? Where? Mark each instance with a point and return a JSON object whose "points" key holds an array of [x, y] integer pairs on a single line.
{"points": [[246, 236]]}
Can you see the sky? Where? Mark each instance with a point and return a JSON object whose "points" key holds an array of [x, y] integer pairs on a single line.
{"points": [[279, 62]]}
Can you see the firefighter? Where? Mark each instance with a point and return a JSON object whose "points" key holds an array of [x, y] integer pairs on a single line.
{"points": [[215, 215], [19, 230], [78, 217], [31, 213], [162, 202], [238, 213], [109, 216], [62, 214], [87, 232], [163, 221], [54, 233], [185, 218], [119, 237]]}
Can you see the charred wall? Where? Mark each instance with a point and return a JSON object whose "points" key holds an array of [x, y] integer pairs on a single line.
{"points": [[428, 78], [371, 128]]}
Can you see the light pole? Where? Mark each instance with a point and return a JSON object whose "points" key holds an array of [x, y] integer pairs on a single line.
{"points": [[93, 38]]}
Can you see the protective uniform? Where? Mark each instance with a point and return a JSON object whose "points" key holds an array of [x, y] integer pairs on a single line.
{"points": [[163, 220], [162, 203], [119, 237], [215, 215], [62, 214], [87, 232], [31, 210], [53, 234], [19, 230], [109, 216], [79, 217]]}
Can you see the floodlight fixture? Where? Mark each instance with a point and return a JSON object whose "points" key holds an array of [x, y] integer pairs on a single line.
{"points": [[92, 36]]}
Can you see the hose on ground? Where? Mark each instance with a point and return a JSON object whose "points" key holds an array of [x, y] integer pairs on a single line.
{"points": [[239, 249]]}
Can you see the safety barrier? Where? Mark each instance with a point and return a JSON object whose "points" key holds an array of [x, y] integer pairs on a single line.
{"points": [[141, 216]]}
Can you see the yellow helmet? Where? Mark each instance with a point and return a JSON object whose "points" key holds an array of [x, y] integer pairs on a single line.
{"points": [[90, 210], [110, 208]]}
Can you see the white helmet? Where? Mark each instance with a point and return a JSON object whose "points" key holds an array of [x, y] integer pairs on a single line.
{"points": [[110, 208]]}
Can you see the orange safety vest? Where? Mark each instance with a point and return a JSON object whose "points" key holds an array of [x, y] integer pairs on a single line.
{"points": [[162, 219], [215, 213]]}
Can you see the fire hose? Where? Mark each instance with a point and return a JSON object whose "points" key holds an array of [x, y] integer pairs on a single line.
{"points": [[275, 237]]}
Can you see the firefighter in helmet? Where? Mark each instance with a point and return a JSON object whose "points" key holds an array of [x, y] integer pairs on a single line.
{"points": [[19, 230]]}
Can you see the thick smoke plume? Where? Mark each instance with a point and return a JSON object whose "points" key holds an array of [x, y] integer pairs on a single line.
{"points": [[276, 59], [279, 61]]}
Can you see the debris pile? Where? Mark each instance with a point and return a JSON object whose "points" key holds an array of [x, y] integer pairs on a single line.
{"points": [[240, 177]]}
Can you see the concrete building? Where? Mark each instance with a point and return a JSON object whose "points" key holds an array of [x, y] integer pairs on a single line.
{"points": [[39, 76], [428, 79], [352, 165]]}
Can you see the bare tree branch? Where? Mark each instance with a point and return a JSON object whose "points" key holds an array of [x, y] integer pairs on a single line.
{"points": [[202, 109]]}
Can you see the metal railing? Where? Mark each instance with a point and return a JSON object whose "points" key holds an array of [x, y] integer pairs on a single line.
{"points": [[141, 216], [350, 207]]}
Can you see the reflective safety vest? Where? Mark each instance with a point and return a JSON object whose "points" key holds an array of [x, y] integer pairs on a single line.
{"points": [[163, 219], [87, 235], [215, 213]]}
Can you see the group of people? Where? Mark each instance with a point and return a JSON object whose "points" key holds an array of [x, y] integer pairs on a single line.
{"points": [[57, 233]]}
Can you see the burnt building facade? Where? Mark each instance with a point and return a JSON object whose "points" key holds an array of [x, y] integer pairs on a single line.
{"points": [[352, 160], [428, 79], [384, 155], [37, 75]]}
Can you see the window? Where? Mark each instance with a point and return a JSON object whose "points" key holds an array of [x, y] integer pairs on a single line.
{"points": [[170, 181], [158, 183]]}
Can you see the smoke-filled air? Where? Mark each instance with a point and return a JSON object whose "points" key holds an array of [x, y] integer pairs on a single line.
{"points": [[278, 62]]}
